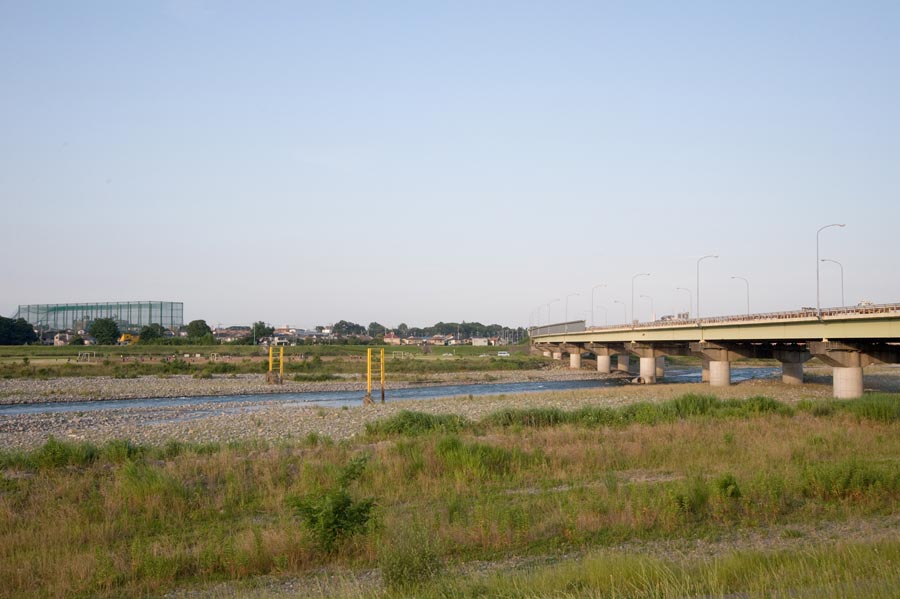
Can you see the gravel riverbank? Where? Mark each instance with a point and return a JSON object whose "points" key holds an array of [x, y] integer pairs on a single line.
{"points": [[25, 391], [273, 421]]}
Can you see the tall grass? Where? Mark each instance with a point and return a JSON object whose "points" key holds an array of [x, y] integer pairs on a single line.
{"points": [[143, 520]]}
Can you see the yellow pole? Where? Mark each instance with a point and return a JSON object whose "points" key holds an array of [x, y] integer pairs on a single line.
{"points": [[281, 363], [382, 375], [271, 355], [369, 373]]}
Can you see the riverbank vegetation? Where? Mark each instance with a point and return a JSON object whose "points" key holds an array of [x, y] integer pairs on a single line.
{"points": [[440, 506], [320, 362]]}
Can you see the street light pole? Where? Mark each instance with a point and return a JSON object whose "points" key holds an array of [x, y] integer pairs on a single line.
{"points": [[593, 289], [748, 292], [652, 315], [567, 309], [605, 314], [842, 278], [818, 305], [699, 260], [624, 311], [640, 274], [690, 299], [548, 309]]}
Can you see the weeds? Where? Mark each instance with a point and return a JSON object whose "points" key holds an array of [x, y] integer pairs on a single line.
{"points": [[333, 515]]}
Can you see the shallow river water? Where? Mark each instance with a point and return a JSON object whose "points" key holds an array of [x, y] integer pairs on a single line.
{"points": [[337, 399]]}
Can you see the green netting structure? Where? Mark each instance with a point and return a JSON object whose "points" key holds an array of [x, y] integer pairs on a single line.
{"points": [[130, 316]]}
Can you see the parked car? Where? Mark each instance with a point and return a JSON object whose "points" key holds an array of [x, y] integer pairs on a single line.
{"points": [[502, 354]]}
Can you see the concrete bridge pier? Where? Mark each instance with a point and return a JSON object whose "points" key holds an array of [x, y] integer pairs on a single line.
{"points": [[557, 355], [847, 381], [648, 370], [717, 359], [792, 373], [660, 367], [719, 373], [704, 371], [575, 359], [791, 364], [546, 353], [603, 364], [622, 362]]}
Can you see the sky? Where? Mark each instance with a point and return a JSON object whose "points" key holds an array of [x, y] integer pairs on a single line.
{"points": [[306, 162]]}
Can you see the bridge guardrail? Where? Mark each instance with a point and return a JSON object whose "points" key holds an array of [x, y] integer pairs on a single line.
{"points": [[556, 329]]}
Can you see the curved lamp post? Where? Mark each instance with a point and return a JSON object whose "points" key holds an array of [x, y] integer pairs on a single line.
{"points": [[699, 260], [548, 309], [842, 277], [567, 309], [640, 274], [818, 305], [690, 299], [624, 311], [746, 282], [593, 289]]}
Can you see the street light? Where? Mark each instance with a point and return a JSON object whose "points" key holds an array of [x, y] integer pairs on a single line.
{"points": [[548, 310], [748, 292], [652, 315], [842, 277], [640, 274], [624, 311], [567, 309], [605, 314], [593, 289], [818, 306], [690, 299], [699, 260]]}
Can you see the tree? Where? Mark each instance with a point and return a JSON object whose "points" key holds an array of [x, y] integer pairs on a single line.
{"points": [[105, 331], [151, 332], [376, 329], [344, 327], [402, 329], [260, 330], [16, 331], [198, 328]]}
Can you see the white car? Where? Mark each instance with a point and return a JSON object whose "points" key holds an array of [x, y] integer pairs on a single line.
{"points": [[502, 354]]}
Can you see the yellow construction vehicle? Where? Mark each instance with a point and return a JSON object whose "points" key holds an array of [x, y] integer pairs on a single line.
{"points": [[128, 339]]}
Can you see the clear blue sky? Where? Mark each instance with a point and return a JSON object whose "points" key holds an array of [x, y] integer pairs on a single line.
{"points": [[397, 161]]}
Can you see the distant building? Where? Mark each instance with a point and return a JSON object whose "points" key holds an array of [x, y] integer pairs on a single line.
{"points": [[129, 316], [480, 341], [392, 339]]}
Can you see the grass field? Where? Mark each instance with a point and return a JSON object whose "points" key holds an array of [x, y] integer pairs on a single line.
{"points": [[421, 498], [317, 362]]}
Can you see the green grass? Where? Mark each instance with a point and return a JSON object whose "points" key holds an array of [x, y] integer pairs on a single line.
{"points": [[142, 520], [43, 362]]}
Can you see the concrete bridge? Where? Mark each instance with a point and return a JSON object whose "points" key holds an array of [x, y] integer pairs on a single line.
{"points": [[847, 339]]}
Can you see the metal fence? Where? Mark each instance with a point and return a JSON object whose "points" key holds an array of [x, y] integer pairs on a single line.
{"points": [[130, 316], [573, 326]]}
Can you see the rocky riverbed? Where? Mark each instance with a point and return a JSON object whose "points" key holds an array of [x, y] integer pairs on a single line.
{"points": [[273, 421]]}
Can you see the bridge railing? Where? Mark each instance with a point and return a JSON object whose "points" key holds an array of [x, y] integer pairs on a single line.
{"points": [[556, 329]]}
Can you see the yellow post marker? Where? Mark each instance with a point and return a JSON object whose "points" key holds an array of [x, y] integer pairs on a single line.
{"points": [[368, 398], [382, 375], [281, 363], [271, 357]]}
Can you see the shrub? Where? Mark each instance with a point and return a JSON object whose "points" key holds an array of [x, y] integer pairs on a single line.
{"points": [[727, 486], [692, 502], [408, 562], [54, 454], [333, 515], [416, 423], [536, 417]]}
